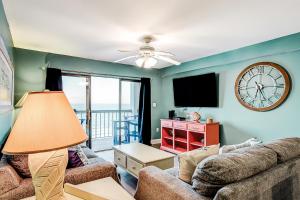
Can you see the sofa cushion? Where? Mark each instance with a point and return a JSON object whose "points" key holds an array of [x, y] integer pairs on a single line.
{"points": [[219, 170], [188, 161], [286, 148], [205, 188], [278, 183], [172, 171], [20, 164], [9, 179], [88, 152]]}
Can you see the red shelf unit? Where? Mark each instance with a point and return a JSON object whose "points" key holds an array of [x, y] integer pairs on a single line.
{"points": [[182, 136]]}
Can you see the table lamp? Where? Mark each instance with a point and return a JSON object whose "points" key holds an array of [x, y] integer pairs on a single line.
{"points": [[45, 127]]}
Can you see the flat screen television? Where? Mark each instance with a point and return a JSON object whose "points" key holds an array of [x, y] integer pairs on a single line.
{"points": [[196, 91]]}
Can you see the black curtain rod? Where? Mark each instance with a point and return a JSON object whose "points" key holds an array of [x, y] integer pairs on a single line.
{"points": [[73, 72]]}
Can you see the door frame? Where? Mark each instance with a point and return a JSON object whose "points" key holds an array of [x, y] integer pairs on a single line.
{"points": [[88, 113], [120, 101]]}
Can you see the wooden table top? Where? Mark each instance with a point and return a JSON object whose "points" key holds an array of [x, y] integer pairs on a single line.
{"points": [[101, 189], [143, 153]]}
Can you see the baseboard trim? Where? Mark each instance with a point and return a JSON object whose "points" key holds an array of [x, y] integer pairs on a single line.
{"points": [[156, 141]]}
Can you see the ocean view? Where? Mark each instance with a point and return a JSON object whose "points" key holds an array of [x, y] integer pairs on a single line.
{"points": [[80, 107]]}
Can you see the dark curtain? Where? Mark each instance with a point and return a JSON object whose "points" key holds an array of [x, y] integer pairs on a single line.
{"points": [[2, 145], [144, 121], [54, 80]]}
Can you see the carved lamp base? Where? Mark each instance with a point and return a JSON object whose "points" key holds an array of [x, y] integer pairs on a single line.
{"points": [[48, 173]]}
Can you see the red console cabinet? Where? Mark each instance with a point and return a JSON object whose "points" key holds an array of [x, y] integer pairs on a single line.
{"points": [[182, 136]]}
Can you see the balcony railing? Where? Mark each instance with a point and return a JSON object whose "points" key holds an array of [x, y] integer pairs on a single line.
{"points": [[102, 121]]}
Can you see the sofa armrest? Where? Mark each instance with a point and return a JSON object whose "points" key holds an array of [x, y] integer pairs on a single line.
{"points": [[98, 169], [9, 179], [154, 183]]}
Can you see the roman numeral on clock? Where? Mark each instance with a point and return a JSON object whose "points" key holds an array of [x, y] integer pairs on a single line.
{"points": [[278, 77], [277, 95], [261, 69], [281, 85], [251, 74]]}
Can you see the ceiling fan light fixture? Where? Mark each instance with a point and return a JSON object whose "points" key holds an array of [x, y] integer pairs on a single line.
{"points": [[146, 62], [147, 56]]}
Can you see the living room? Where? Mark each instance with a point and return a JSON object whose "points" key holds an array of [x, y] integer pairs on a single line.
{"points": [[162, 100]]}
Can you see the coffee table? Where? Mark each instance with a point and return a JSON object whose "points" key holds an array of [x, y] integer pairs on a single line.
{"points": [[101, 189], [135, 156]]}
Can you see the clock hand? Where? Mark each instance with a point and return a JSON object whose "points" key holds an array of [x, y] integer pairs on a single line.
{"points": [[258, 87], [276, 86], [262, 94], [256, 93]]}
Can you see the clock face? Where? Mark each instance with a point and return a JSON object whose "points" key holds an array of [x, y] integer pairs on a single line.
{"points": [[262, 86]]}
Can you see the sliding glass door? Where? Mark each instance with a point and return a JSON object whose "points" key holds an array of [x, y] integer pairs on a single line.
{"points": [[76, 89], [105, 111], [106, 107], [129, 105]]}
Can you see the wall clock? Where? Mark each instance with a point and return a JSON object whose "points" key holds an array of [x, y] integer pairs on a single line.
{"points": [[262, 86]]}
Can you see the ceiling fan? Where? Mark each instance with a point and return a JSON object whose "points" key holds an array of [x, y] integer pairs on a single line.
{"points": [[147, 56]]}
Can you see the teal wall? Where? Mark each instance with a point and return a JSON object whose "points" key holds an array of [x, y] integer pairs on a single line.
{"points": [[5, 118], [30, 76], [239, 123]]}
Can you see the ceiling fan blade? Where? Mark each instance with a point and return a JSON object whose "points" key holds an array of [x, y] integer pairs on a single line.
{"points": [[163, 53], [143, 65], [167, 59], [126, 50], [125, 58]]}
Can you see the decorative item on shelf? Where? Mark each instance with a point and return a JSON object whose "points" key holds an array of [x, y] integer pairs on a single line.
{"points": [[50, 126], [209, 120], [170, 132], [262, 86], [196, 116], [202, 140], [180, 118], [172, 114]]}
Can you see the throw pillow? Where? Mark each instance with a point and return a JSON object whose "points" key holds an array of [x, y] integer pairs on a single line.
{"points": [[81, 154], [188, 161], [247, 143], [73, 159], [216, 171], [20, 164]]}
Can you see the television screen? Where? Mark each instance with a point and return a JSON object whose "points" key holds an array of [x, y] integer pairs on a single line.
{"points": [[196, 91]]}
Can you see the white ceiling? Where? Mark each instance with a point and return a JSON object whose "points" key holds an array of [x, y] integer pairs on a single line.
{"points": [[190, 29]]}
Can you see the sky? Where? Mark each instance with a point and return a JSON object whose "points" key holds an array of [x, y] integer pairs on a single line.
{"points": [[104, 90]]}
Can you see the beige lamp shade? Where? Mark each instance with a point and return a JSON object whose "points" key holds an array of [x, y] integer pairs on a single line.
{"points": [[46, 122]]}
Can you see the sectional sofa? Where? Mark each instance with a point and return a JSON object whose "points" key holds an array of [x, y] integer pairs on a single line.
{"points": [[264, 172]]}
